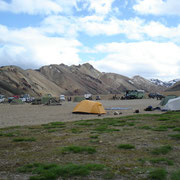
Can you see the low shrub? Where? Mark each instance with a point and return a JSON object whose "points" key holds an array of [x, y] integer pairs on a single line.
{"points": [[175, 175], [53, 171], [126, 146], [78, 149], [175, 136], [30, 139], [161, 160], [158, 174], [161, 150]]}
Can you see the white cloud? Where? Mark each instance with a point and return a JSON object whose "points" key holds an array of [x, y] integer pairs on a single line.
{"points": [[64, 26], [148, 59], [158, 7], [56, 6], [96, 25], [135, 29], [101, 6], [31, 6], [28, 46]]}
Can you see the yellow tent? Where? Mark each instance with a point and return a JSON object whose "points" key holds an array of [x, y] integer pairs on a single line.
{"points": [[87, 106]]}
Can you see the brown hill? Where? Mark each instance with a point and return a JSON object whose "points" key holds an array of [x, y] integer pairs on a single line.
{"points": [[175, 87], [68, 80]]}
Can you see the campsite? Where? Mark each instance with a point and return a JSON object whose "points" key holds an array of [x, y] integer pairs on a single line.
{"points": [[51, 142]]}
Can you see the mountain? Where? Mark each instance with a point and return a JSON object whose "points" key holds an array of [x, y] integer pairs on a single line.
{"points": [[164, 83], [175, 87], [69, 80]]}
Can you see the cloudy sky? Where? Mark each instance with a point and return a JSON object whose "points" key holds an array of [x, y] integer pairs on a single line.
{"points": [[129, 37]]}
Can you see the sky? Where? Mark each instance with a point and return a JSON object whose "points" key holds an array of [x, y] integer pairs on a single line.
{"points": [[128, 37]]}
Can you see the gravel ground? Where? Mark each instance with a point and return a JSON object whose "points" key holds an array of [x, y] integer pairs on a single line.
{"points": [[27, 114]]}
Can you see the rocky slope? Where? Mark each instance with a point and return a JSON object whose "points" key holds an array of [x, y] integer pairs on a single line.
{"points": [[68, 80], [175, 87], [167, 84]]}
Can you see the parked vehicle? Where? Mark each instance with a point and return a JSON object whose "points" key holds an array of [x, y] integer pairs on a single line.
{"points": [[155, 95], [62, 98], [133, 94], [2, 98], [88, 96], [26, 98], [98, 98]]}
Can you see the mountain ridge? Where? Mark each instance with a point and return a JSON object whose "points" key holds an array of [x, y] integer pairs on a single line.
{"points": [[69, 80]]}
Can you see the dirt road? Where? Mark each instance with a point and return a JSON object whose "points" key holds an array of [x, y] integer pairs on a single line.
{"points": [[27, 114]]}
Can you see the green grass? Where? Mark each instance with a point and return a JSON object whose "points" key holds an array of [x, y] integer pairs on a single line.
{"points": [[21, 139], [53, 125], [76, 131], [78, 149], [176, 129], [161, 160], [158, 174], [145, 127], [161, 150], [94, 137], [104, 135], [84, 124], [164, 119], [54, 171], [126, 146], [160, 128], [175, 136], [175, 175], [105, 129]]}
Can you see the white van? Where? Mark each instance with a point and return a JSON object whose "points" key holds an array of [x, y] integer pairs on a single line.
{"points": [[62, 98]]}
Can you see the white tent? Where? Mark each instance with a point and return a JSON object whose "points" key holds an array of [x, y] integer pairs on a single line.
{"points": [[173, 104]]}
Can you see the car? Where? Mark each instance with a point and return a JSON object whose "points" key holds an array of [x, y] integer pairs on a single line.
{"points": [[62, 98], [155, 95]]}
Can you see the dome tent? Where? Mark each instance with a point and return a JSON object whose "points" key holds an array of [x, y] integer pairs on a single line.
{"points": [[166, 99], [173, 104], [90, 107]]}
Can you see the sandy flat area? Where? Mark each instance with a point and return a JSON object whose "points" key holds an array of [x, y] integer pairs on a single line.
{"points": [[27, 114]]}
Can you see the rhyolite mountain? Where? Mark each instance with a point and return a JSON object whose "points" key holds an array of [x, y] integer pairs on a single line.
{"points": [[68, 80]]}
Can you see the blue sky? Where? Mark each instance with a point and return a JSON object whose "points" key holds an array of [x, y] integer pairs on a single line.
{"points": [[128, 37]]}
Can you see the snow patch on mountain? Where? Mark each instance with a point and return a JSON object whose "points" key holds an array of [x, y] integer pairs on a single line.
{"points": [[164, 83]]}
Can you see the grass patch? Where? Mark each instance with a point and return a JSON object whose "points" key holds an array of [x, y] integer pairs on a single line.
{"points": [[11, 127], [176, 129], [162, 150], [7, 134], [76, 131], [175, 136], [24, 139], [163, 119], [161, 160], [145, 127], [105, 129], [84, 124], [94, 137], [126, 146], [53, 171], [78, 149], [160, 128], [53, 125], [158, 174], [175, 175], [52, 130]]}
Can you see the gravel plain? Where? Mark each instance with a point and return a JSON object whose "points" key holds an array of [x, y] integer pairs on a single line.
{"points": [[27, 114]]}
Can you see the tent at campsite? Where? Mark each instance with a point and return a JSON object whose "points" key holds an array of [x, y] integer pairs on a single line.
{"points": [[87, 106], [78, 99], [166, 99], [173, 104]]}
